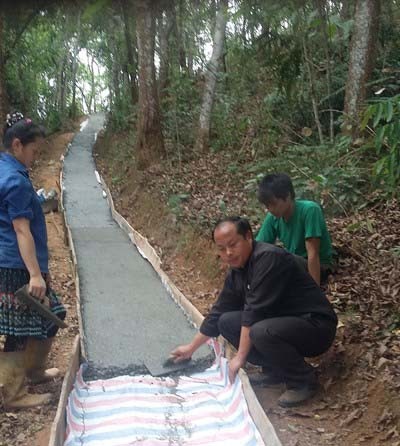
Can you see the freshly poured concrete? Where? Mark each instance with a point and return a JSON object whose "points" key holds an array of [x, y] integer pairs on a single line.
{"points": [[130, 322]]}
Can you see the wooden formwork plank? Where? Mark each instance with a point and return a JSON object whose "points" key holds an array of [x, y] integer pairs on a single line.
{"points": [[258, 414], [57, 434], [70, 243]]}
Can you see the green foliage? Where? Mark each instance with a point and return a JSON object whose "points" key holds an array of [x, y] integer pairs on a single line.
{"points": [[263, 100], [54, 121], [30, 71], [175, 202], [180, 106], [332, 175], [385, 117], [93, 8], [123, 115], [395, 321], [40, 61]]}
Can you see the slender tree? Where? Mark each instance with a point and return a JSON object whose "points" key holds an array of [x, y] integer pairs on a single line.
{"points": [[166, 22], [212, 72], [92, 101], [180, 33], [74, 61], [150, 142], [347, 9], [61, 81], [130, 50], [115, 68], [322, 7], [311, 78]]}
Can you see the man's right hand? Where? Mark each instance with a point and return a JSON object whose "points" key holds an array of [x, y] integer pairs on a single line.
{"points": [[182, 353]]}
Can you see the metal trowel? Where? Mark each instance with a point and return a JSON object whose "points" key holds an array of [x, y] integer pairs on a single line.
{"points": [[32, 302], [158, 368]]}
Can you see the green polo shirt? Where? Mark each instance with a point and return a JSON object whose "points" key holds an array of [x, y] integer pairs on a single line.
{"points": [[307, 221]]}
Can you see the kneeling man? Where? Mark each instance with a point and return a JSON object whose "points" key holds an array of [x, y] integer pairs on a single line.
{"points": [[270, 309]]}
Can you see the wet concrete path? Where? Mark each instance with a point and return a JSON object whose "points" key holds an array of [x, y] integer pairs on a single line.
{"points": [[129, 320]]}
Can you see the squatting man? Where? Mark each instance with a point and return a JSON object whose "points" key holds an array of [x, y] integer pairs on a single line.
{"points": [[270, 309]]}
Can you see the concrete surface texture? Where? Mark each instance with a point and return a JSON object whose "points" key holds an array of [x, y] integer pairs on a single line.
{"points": [[130, 322]]}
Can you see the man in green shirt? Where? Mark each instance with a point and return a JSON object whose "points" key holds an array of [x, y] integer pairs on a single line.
{"points": [[299, 224]]}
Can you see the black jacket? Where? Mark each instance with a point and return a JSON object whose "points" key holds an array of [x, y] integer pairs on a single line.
{"points": [[271, 284]]}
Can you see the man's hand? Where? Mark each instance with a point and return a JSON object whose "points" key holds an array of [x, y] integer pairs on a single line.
{"points": [[181, 353], [233, 367], [240, 358]]}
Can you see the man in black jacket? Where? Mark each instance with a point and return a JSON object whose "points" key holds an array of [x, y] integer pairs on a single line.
{"points": [[270, 309]]}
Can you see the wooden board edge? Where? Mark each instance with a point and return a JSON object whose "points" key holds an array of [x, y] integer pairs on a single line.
{"points": [[74, 261], [257, 413], [58, 428]]}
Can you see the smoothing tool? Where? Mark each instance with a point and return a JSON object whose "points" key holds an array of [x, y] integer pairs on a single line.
{"points": [[32, 302], [199, 362]]}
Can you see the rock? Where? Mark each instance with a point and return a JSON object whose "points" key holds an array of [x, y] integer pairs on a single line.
{"points": [[293, 428], [329, 436], [382, 361], [197, 204]]}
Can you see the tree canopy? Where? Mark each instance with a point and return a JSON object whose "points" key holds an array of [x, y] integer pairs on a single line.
{"points": [[287, 81]]}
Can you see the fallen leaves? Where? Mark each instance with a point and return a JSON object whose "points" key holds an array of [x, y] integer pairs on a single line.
{"points": [[355, 415], [366, 290]]}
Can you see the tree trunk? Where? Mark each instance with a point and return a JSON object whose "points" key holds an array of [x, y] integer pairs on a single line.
{"points": [[166, 23], [324, 16], [61, 82], [180, 33], [92, 103], [314, 101], [63, 85], [4, 104], [190, 50], [130, 51], [150, 142], [73, 112], [347, 10], [212, 70], [115, 74], [362, 57]]}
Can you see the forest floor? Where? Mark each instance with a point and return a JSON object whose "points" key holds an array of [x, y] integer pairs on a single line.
{"points": [[32, 427], [174, 205]]}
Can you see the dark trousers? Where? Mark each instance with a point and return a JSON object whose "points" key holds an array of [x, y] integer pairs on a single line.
{"points": [[280, 344], [325, 270]]}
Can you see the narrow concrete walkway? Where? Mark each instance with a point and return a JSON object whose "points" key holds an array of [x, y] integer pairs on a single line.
{"points": [[130, 322]]}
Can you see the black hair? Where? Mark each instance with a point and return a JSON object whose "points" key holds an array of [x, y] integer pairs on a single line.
{"points": [[242, 225], [275, 185], [25, 130]]}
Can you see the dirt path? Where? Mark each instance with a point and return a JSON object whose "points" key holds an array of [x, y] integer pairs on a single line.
{"points": [[32, 427]]}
